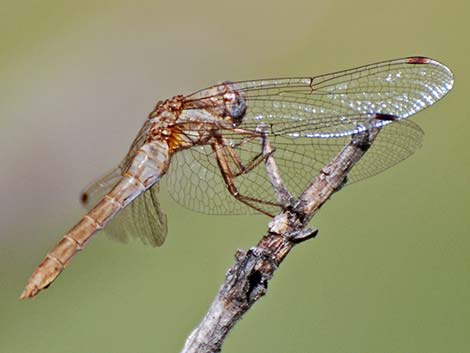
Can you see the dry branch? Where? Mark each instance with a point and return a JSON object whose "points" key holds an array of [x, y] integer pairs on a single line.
{"points": [[247, 280]]}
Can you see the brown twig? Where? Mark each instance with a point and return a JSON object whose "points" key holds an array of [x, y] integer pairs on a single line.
{"points": [[247, 280]]}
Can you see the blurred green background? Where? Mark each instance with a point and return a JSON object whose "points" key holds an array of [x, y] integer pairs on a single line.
{"points": [[389, 270]]}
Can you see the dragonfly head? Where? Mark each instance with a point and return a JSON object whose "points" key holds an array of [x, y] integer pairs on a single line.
{"points": [[234, 103]]}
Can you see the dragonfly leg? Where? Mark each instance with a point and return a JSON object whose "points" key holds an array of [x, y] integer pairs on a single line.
{"points": [[253, 162], [222, 154]]}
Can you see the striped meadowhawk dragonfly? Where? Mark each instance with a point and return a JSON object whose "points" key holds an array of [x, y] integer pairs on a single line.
{"points": [[208, 147]]}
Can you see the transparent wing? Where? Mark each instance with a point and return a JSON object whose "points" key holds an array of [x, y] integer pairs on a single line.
{"points": [[195, 182], [308, 120], [332, 105], [96, 190], [100, 187], [143, 218]]}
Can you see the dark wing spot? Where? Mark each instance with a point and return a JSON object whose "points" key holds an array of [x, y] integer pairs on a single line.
{"points": [[84, 198], [386, 117], [418, 60]]}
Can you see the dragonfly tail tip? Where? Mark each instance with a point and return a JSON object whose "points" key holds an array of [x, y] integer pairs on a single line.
{"points": [[29, 292]]}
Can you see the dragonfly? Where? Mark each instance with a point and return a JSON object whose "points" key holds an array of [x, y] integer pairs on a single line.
{"points": [[207, 145]]}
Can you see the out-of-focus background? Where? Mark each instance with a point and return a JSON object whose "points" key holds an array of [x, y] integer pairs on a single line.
{"points": [[389, 270]]}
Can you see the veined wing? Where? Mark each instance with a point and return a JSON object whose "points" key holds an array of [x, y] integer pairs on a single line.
{"points": [[100, 187], [335, 104], [143, 218], [194, 179], [309, 119]]}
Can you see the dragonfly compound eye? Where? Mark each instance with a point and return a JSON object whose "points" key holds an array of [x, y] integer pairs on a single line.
{"points": [[235, 106]]}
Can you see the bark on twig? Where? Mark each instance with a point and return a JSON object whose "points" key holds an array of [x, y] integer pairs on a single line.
{"points": [[247, 280]]}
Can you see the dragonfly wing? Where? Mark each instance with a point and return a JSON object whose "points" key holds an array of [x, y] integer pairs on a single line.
{"points": [[333, 105], [395, 143], [100, 187], [143, 218], [195, 181], [96, 190], [308, 120]]}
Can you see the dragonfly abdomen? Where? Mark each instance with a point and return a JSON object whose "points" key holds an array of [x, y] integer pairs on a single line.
{"points": [[146, 168]]}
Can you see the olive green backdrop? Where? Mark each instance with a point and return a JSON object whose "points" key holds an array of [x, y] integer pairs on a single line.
{"points": [[389, 270]]}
